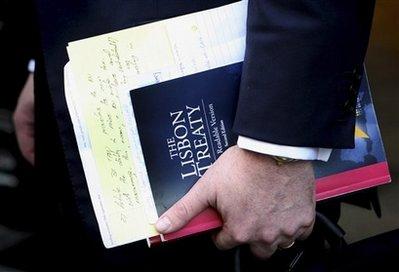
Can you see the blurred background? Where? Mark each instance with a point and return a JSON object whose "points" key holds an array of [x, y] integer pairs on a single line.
{"points": [[19, 206], [382, 64], [20, 209]]}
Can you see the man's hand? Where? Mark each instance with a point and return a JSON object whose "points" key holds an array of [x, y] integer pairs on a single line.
{"points": [[262, 204], [24, 121]]}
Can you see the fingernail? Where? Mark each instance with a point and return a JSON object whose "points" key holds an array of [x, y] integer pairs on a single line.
{"points": [[163, 224]]}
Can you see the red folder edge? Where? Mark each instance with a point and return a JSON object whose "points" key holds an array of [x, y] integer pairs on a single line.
{"points": [[326, 187]]}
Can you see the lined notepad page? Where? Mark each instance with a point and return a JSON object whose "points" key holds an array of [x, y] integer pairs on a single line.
{"points": [[102, 71]]}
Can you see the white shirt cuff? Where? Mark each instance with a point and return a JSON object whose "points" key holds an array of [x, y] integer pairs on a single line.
{"points": [[293, 152]]}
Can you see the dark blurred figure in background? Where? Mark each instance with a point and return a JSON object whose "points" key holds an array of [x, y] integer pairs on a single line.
{"points": [[21, 209], [16, 50]]}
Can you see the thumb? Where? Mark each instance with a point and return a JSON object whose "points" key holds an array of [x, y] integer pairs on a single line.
{"points": [[195, 201]]}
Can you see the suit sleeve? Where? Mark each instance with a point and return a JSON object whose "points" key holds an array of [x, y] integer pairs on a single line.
{"points": [[302, 71]]}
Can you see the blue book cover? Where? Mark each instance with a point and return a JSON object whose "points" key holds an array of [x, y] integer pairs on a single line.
{"points": [[185, 124]]}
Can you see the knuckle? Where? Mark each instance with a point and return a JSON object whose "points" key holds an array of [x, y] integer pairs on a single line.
{"points": [[269, 237], [289, 231], [308, 219], [240, 237]]}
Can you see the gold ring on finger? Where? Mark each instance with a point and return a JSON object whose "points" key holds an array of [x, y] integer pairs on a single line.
{"points": [[287, 246]]}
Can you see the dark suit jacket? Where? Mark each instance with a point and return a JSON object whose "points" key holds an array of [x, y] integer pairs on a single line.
{"points": [[299, 85], [302, 71]]}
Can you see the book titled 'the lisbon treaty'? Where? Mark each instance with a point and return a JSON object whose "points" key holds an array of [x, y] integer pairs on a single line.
{"points": [[185, 124]]}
